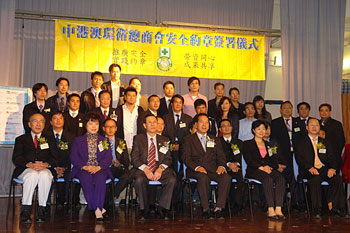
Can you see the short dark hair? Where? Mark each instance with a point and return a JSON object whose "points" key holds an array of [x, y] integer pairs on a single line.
{"points": [[60, 80], [191, 124], [37, 87], [151, 96], [286, 102], [133, 78], [109, 119], [223, 120], [233, 89], [55, 113], [103, 92], [129, 89], [257, 123], [148, 115], [303, 103], [112, 66], [199, 115], [97, 73], [325, 105], [218, 84], [72, 95], [177, 96], [168, 82], [248, 103], [190, 80], [199, 102], [91, 116]]}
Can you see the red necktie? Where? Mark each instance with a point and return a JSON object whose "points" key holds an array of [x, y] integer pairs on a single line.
{"points": [[36, 141], [105, 114], [151, 160]]}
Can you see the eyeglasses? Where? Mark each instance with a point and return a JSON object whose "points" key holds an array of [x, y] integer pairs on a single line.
{"points": [[110, 127]]}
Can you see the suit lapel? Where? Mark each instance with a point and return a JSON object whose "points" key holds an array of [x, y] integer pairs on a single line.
{"points": [[198, 143], [160, 155]]}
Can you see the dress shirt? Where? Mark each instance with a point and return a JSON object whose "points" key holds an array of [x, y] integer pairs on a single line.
{"points": [[115, 93], [73, 114], [188, 107], [95, 93], [129, 125], [245, 129], [143, 166], [167, 101]]}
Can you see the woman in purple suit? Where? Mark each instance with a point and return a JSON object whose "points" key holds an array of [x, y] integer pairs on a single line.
{"points": [[91, 157]]}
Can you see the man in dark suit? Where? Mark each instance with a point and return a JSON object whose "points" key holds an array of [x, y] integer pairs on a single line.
{"points": [[233, 149], [89, 98], [317, 164], [206, 161], [219, 90], [304, 114], [201, 107], [165, 106], [151, 158], [58, 102], [153, 106], [115, 86], [285, 130], [176, 127], [334, 132], [74, 119], [39, 105], [120, 163], [34, 156], [64, 141]]}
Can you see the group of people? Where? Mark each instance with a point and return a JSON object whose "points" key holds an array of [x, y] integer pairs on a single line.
{"points": [[112, 131]]}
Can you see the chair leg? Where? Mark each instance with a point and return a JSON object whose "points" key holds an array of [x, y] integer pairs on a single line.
{"points": [[113, 193], [250, 200], [306, 200], [9, 201], [190, 192], [71, 199], [229, 206]]}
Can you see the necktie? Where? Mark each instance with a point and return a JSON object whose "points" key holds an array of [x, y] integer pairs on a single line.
{"points": [[288, 126], [168, 104], [203, 141], [317, 161], [57, 139], [41, 108], [113, 152], [151, 160], [304, 121], [62, 105], [36, 141], [105, 114], [177, 119]]}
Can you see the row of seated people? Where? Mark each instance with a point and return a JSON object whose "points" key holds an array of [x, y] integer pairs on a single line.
{"points": [[38, 157]]}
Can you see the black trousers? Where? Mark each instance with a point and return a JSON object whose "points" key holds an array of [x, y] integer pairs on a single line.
{"points": [[274, 185], [238, 197], [336, 189]]}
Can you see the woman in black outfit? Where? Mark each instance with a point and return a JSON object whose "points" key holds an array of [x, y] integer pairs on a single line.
{"points": [[261, 112], [262, 162], [226, 111]]}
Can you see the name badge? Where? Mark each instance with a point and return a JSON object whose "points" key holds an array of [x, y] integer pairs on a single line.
{"points": [[270, 152], [44, 146], [210, 144], [163, 150], [119, 150], [322, 151], [80, 124], [297, 129], [182, 125], [100, 147], [236, 152]]}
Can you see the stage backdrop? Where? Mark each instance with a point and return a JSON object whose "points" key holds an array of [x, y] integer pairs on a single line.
{"points": [[145, 50]]}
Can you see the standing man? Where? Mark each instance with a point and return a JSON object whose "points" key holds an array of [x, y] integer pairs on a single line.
{"points": [[334, 132], [105, 111], [234, 97], [303, 116], [34, 156], [58, 102], [193, 84], [165, 106], [39, 105], [115, 86], [153, 106], [245, 124], [205, 161], [74, 119], [219, 90], [151, 157], [89, 97], [140, 99]]}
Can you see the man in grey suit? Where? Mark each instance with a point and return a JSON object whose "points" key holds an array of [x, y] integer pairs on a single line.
{"points": [[151, 157]]}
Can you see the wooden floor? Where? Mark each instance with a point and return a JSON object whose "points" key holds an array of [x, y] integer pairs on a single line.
{"points": [[84, 221]]}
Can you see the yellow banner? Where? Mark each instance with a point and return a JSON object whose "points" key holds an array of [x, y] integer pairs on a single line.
{"points": [[145, 50]]}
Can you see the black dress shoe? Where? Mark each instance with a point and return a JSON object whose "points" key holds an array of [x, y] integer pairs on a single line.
{"points": [[337, 213], [273, 217], [317, 216], [142, 216], [208, 215], [99, 219], [25, 216], [41, 214], [219, 214], [162, 214], [122, 202], [281, 217]]}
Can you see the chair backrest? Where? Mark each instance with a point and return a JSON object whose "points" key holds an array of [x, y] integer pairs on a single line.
{"points": [[244, 167], [295, 168], [184, 167]]}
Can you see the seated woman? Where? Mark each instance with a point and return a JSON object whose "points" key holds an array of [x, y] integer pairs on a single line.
{"points": [[262, 165], [91, 157]]}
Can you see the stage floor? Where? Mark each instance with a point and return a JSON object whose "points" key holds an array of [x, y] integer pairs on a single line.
{"points": [[83, 221]]}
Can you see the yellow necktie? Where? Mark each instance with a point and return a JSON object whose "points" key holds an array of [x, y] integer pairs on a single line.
{"points": [[317, 161]]}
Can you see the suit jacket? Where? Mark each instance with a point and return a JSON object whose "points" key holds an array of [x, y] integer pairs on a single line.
{"points": [[79, 155], [234, 118], [302, 125], [112, 114], [139, 153], [74, 125], [87, 101], [143, 102], [108, 87], [171, 130], [63, 159], [239, 110], [140, 120], [279, 132], [163, 109], [253, 158], [120, 121], [32, 108], [25, 152], [232, 156], [335, 135], [305, 155], [122, 157], [194, 154], [53, 102], [212, 108]]}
